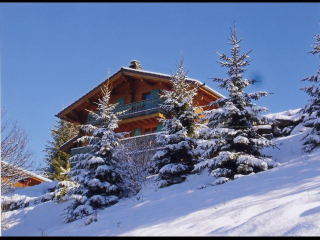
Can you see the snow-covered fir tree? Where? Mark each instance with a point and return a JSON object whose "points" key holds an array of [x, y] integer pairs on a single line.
{"points": [[94, 171], [231, 144], [58, 161], [312, 110], [177, 159]]}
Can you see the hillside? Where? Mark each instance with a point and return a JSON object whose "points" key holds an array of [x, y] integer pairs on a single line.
{"points": [[282, 201]]}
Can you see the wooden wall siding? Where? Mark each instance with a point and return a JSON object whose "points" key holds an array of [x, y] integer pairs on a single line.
{"points": [[144, 128], [143, 122], [26, 182], [132, 89]]}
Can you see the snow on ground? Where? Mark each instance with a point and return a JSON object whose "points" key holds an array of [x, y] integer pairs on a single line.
{"points": [[286, 115], [282, 201]]}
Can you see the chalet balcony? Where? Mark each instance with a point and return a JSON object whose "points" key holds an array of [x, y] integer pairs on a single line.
{"points": [[136, 109]]}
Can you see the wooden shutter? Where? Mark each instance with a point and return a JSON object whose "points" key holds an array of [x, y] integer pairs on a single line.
{"points": [[137, 132], [154, 93], [159, 127]]}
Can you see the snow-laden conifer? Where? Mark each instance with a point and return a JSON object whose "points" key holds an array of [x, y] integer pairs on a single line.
{"points": [[56, 160], [177, 159], [231, 145], [312, 110], [94, 171]]}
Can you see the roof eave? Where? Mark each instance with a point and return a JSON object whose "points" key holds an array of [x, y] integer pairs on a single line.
{"points": [[88, 94]]}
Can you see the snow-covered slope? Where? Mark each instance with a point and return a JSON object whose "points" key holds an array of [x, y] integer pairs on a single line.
{"points": [[281, 201]]}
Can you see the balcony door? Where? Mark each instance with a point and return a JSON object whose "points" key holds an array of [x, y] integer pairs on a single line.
{"points": [[149, 98]]}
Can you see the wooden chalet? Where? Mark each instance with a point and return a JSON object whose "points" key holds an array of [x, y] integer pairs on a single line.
{"points": [[17, 177], [136, 91]]}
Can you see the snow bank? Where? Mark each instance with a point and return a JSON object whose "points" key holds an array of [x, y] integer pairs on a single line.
{"points": [[292, 115], [284, 201]]}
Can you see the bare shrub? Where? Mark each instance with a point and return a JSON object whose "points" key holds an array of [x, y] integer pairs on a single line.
{"points": [[134, 161], [4, 216], [15, 155]]}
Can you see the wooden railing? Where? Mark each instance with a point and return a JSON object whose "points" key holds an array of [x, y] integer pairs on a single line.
{"points": [[139, 108], [135, 109]]}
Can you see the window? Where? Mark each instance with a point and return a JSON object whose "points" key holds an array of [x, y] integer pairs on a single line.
{"points": [[150, 130], [146, 96], [147, 131], [137, 132], [159, 127]]}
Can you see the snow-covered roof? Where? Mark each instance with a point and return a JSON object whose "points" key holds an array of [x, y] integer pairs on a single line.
{"points": [[127, 69], [293, 115], [26, 172], [169, 76], [32, 174]]}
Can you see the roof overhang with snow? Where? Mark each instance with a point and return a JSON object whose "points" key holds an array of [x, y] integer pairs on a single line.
{"points": [[25, 173]]}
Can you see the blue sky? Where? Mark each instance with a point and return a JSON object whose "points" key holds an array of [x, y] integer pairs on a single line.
{"points": [[53, 53]]}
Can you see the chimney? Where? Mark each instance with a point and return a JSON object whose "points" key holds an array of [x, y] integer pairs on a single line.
{"points": [[135, 65]]}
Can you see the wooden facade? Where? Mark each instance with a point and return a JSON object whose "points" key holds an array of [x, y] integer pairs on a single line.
{"points": [[17, 177], [137, 92], [28, 182], [24, 182]]}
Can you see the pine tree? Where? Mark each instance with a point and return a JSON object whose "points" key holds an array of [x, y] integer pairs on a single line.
{"points": [[100, 185], [232, 147], [312, 110], [177, 159], [58, 161]]}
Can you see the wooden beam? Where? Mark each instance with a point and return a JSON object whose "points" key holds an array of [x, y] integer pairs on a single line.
{"points": [[125, 125], [149, 120], [118, 83], [77, 116], [150, 83], [131, 84], [75, 113], [90, 100], [149, 76], [144, 121], [134, 119], [207, 98], [70, 119], [211, 95]]}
